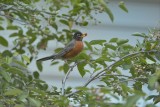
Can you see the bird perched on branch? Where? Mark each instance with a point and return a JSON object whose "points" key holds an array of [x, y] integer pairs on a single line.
{"points": [[72, 49]]}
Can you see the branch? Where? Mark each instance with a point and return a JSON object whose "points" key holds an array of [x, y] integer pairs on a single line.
{"points": [[12, 18], [66, 77], [103, 72]]}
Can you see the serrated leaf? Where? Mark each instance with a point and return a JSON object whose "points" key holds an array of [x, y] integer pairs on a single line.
{"points": [[122, 41], [5, 75], [26, 58], [97, 42], [122, 6], [3, 41], [113, 40], [13, 92]]}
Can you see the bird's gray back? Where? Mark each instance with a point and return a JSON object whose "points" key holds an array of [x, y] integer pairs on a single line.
{"points": [[66, 49]]}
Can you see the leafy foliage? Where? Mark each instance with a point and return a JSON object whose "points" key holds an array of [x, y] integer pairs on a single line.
{"points": [[116, 63]]}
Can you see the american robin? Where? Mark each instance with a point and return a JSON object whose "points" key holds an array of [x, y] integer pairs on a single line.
{"points": [[73, 48]]}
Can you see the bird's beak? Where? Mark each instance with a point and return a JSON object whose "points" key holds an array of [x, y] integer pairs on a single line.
{"points": [[83, 35]]}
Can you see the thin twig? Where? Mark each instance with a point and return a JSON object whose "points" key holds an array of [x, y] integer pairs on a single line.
{"points": [[12, 18], [103, 72], [66, 77]]}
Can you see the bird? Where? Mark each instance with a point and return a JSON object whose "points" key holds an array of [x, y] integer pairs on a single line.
{"points": [[72, 49]]}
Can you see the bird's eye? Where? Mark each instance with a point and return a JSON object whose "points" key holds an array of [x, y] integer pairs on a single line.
{"points": [[78, 35]]}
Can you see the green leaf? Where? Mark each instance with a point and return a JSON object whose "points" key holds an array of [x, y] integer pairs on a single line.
{"points": [[107, 10], [19, 105], [131, 100], [122, 41], [81, 69], [81, 4], [65, 67], [110, 46], [34, 102], [12, 27], [54, 25], [103, 58], [114, 40], [150, 60], [64, 22], [13, 70], [82, 55], [127, 46], [36, 74], [5, 75], [1, 28], [19, 63], [13, 35], [85, 23], [38, 91], [139, 34], [150, 97], [3, 41], [88, 46], [151, 81], [97, 42], [7, 53], [13, 92], [25, 58], [39, 65], [122, 6], [23, 96]]}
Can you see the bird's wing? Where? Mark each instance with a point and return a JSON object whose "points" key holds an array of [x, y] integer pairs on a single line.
{"points": [[67, 48]]}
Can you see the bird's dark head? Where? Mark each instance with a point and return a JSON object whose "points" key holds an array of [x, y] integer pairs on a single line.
{"points": [[79, 36]]}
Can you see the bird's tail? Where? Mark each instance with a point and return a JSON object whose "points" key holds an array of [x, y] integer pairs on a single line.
{"points": [[47, 58]]}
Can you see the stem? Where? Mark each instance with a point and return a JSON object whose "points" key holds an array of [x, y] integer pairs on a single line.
{"points": [[103, 72], [66, 77]]}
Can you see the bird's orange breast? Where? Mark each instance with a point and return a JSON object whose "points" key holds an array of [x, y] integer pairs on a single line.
{"points": [[75, 51]]}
